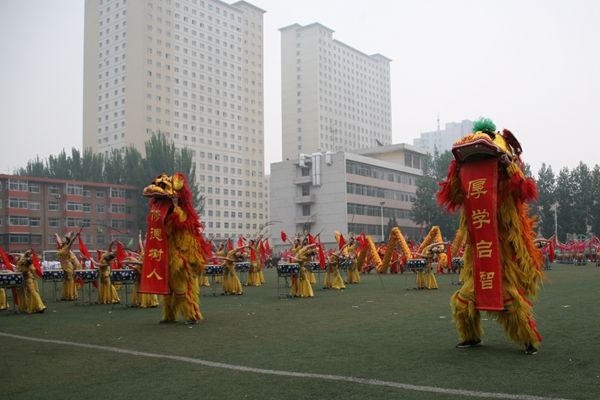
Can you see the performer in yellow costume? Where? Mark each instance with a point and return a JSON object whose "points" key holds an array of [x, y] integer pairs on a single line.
{"points": [[231, 282], [333, 279], [353, 273], [69, 263], [255, 268], [175, 247], [29, 296], [430, 249], [107, 293], [503, 269], [301, 286]]}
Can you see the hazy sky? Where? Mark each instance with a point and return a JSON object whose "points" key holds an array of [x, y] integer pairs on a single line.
{"points": [[531, 66]]}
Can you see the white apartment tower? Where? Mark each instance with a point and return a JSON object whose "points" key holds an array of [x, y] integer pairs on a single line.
{"points": [[442, 140], [193, 70], [334, 97]]}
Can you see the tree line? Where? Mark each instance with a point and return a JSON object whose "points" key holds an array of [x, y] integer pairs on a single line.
{"points": [[571, 196], [127, 167]]}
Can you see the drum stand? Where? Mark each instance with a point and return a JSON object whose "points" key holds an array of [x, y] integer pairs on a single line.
{"points": [[283, 291], [81, 301]]}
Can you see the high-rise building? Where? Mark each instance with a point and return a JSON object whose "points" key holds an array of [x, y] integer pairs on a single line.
{"points": [[441, 140], [334, 97], [192, 70]]}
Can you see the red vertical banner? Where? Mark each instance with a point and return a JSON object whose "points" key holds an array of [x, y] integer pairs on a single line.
{"points": [[480, 183], [155, 271]]}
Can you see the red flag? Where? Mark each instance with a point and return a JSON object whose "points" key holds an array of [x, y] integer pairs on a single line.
{"points": [[229, 244], [37, 264], [240, 244], [551, 251], [83, 249], [120, 256], [311, 239], [209, 250], [6, 260], [261, 249], [321, 257], [342, 242], [283, 236], [268, 248]]}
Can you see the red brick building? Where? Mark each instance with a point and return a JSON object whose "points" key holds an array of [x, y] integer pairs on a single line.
{"points": [[32, 210]]}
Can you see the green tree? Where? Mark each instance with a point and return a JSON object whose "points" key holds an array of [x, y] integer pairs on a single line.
{"points": [[114, 168], [92, 166], [59, 167], [595, 205], [564, 199], [581, 179], [425, 210], [36, 168], [546, 184]]}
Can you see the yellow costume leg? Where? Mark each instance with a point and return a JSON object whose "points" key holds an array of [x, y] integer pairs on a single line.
{"points": [[114, 295], [3, 302], [337, 281], [189, 306], [518, 320], [169, 309], [327, 282], [304, 288], [69, 291], [21, 300], [33, 298], [431, 281], [464, 314]]}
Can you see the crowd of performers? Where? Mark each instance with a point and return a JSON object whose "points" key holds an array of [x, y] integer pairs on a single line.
{"points": [[494, 249], [341, 266]]}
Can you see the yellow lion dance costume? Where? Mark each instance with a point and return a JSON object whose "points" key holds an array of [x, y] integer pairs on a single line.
{"points": [[175, 253], [510, 241]]}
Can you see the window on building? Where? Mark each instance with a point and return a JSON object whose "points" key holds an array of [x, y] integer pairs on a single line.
{"points": [[17, 185], [306, 210]]}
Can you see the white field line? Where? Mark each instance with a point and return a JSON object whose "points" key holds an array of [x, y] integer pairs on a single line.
{"points": [[338, 378]]}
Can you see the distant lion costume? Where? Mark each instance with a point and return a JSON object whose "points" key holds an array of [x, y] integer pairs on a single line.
{"points": [[502, 266], [175, 252]]}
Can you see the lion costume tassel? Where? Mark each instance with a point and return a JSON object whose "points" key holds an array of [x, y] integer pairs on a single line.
{"points": [[502, 266], [175, 253]]}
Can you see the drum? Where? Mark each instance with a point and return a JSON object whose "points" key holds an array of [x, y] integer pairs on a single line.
{"points": [[345, 264], [213, 269], [457, 263], [287, 269], [86, 275], [416, 264], [126, 275], [53, 275], [11, 279], [316, 267], [242, 266]]}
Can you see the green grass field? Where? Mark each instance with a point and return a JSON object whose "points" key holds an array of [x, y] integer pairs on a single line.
{"points": [[377, 329]]}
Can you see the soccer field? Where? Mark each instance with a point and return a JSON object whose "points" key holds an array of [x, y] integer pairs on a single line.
{"points": [[375, 340]]}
